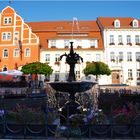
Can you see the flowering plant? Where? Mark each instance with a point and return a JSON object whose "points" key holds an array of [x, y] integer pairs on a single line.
{"points": [[24, 114], [121, 116]]}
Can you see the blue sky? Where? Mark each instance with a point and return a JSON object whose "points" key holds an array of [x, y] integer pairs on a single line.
{"points": [[65, 10]]}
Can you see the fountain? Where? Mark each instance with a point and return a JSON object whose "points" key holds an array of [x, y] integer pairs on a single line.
{"points": [[71, 85]]}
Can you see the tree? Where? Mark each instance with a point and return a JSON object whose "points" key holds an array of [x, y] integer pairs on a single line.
{"points": [[97, 68], [37, 68]]}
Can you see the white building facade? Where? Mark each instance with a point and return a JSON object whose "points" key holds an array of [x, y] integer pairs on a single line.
{"points": [[55, 38], [122, 49], [61, 68]]}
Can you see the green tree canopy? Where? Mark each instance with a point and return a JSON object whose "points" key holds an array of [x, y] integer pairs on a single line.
{"points": [[37, 68], [97, 68]]}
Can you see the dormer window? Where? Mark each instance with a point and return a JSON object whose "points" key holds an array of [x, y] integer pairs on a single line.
{"points": [[117, 23], [53, 43], [135, 23]]}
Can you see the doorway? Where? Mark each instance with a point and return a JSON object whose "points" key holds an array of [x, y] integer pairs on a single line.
{"points": [[115, 77]]}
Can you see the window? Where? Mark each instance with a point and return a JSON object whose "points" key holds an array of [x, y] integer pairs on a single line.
{"points": [[117, 23], [5, 53], [6, 36], [137, 40], [79, 43], [98, 57], [120, 56], [112, 40], [27, 52], [66, 43], [47, 77], [93, 43], [129, 40], [130, 77], [57, 57], [16, 39], [16, 53], [4, 68], [16, 35], [77, 75], [7, 20], [57, 75], [120, 40], [53, 43], [138, 56], [112, 56], [88, 58], [138, 74], [135, 23], [129, 56], [47, 57]]}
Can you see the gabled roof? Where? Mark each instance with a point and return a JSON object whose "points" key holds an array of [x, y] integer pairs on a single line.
{"points": [[64, 26], [108, 22]]}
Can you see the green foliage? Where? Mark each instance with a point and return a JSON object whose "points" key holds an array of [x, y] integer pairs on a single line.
{"points": [[97, 68], [37, 68]]}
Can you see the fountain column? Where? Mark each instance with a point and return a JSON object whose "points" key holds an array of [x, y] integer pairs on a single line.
{"points": [[71, 86]]}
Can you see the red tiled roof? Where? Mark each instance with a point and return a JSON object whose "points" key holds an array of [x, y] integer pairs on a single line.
{"points": [[60, 29], [108, 22], [63, 26]]}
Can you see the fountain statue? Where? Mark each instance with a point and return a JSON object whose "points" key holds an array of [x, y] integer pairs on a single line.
{"points": [[71, 85]]}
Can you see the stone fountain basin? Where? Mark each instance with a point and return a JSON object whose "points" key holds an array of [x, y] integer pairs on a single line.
{"points": [[72, 87]]}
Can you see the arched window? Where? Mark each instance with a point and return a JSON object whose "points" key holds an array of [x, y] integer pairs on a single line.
{"points": [[27, 52], [5, 53], [117, 23], [16, 53], [3, 36], [112, 56], [4, 68], [135, 23]]}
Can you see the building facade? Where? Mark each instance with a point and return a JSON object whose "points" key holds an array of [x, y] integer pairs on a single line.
{"points": [[55, 38], [115, 41], [122, 49], [17, 42]]}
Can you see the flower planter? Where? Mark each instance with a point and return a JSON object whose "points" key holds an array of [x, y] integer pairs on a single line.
{"points": [[129, 44], [112, 44], [57, 63], [120, 43], [138, 44], [53, 47], [66, 47]]}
